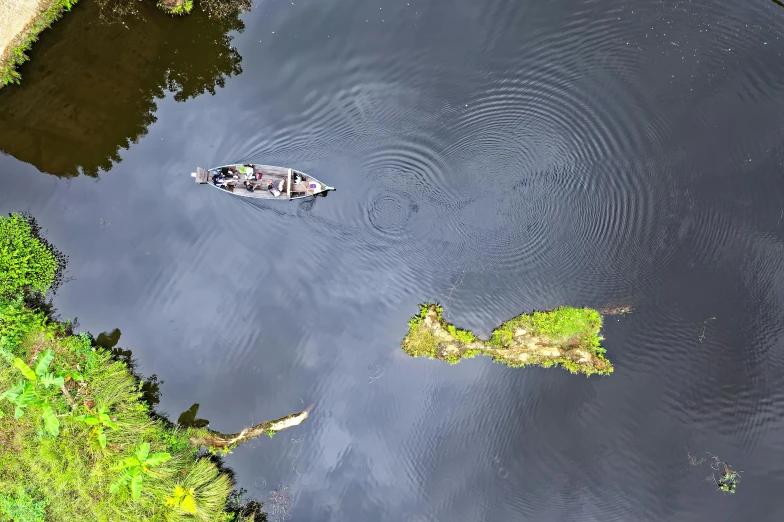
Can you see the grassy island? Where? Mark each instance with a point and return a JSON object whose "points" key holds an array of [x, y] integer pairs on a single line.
{"points": [[77, 439], [565, 336]]}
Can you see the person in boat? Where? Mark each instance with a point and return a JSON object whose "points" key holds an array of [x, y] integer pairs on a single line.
{"points": [[249, 186], [247, 170], [218, 179], [273, 189]]}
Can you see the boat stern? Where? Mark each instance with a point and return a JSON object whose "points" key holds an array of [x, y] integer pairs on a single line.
{"points": [[201, 175]]}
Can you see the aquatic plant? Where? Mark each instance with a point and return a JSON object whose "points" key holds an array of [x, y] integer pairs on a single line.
{"points": [[723, 476], [567, 337]]}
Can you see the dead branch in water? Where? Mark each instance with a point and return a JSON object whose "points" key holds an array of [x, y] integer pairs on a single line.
{"points": [[725, 478], [222, 441]]}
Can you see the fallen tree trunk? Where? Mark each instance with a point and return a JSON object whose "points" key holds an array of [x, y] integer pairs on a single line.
{"points": [[218, 440]]}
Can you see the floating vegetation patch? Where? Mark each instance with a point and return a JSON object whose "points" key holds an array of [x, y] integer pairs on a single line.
{"points": [[567, 337], [722, 475]]}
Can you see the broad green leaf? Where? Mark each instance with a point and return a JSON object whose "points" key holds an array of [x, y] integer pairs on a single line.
{"points": [[51, 422], [143, 451], [128, 462], [12, 393], [136, 486], [157, 459], [188, 504], [88, 419], [49, 379], [122, 479], [111, 424], [102, 439], [26, 371], [18, 412], [27, 397], [43, 362]]}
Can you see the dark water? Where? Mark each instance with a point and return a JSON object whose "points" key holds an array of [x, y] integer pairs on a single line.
{"points": [[497, 157]]}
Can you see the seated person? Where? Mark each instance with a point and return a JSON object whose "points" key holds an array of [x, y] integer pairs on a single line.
{"points": [[275, 191], [218, 180], [249, 186]]}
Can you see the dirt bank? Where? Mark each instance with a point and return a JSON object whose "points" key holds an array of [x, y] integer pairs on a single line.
{"points": [[19, 19]]}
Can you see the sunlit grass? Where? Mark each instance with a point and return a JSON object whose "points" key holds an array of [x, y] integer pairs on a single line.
{"points": [[72, 473], [567, 337]]}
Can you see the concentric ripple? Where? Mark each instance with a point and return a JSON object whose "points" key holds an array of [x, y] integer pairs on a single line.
{"points": [[389, 213]]}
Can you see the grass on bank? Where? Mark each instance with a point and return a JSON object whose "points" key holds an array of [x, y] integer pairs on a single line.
{"points": [[567, 337], [176, 7], [73, 473], [77, 440], [17, 56]]}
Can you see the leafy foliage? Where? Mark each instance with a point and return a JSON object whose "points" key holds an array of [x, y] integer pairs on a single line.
{"points": [[132, 469], [98, 420], [176, 7], [47, 370], [182, 498], [34, 391], [26, 263], [22, 507]]}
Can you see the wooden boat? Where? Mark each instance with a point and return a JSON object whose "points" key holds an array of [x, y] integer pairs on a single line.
{"points": [[261, 181]]}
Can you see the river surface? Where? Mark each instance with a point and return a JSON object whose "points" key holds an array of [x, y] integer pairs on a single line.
{"points": [[495, 156]]}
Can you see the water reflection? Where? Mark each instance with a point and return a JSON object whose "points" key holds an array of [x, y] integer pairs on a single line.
{"points": [[91, 87], [188, 418]]}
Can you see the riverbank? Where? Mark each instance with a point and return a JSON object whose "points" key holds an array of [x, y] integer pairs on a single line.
{"points": [[21, 21], [78, 440], [567, 337]]}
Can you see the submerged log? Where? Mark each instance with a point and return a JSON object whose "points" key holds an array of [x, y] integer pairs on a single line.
{"points": [[216, 439]]}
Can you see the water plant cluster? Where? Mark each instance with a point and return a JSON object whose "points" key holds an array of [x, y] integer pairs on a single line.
{"points": [[77, 440], [567, 337]]}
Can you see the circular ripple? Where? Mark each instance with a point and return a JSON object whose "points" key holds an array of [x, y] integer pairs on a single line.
{"points": [[390, 213]]}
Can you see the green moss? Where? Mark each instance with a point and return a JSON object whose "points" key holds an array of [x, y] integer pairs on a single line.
{"points": [[567, 337], [8, 73]]}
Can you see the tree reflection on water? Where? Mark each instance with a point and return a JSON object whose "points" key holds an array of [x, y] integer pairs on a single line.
{"points": [[91, 86]]}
